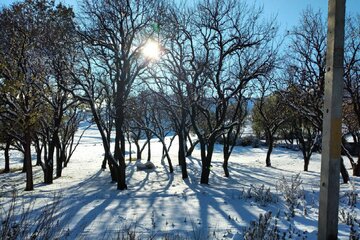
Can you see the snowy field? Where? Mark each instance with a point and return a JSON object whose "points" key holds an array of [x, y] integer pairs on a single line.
{"points": [[158, 204]]}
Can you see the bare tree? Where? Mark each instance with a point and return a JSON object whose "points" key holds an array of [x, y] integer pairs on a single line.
{"points": [[139, 113], [117, 30], [170, 79], [87, 86], [149, 116], [235, 48], [269, 113], [305, 79], [306, 66], [351, 111], [305, 76], [237, 113]]}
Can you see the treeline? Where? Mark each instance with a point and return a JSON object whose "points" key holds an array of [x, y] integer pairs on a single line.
{"points": [[35, 108], [290, 105], [216, 56]]}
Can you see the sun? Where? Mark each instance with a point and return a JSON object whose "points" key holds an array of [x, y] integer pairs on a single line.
{"points": [[151, 50]]}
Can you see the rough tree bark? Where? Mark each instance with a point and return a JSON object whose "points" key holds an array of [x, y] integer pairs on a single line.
{"points": [[120, 140], [270, 140], [226, 153], [191, 148], [206, 152], [38, 149], [7, 156], [27, 160], [344, 172], [181, 154]]}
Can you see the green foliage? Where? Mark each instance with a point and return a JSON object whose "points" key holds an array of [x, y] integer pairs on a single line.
{"points": [[250, 141], [268, 113], [31, 35]]}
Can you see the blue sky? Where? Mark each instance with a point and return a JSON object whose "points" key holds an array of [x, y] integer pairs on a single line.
{"points": [[287, 11]]}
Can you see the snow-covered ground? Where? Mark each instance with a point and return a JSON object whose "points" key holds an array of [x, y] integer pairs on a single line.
{"points": [[158, 203]]}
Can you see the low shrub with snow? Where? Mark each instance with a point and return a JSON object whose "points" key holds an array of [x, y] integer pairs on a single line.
{"points": [[264, 228], [292, 192], [144, 166], [260, 194], [350, 197], [20, 221], [348, 214]]}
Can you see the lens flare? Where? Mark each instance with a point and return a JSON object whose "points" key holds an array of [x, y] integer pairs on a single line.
{"points": [[151, 50]]}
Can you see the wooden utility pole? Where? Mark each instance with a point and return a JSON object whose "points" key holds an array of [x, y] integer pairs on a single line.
{"points": [[331, 138]]}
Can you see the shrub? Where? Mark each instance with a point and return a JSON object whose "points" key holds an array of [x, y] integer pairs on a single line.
{"points": [[144, 166], [292, 191], [260, 194], [20, 221], [354, 230], [351, 196], [249, 141], [264, 228], [347, 217]]}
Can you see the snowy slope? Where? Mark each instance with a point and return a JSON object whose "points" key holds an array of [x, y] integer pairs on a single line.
{"points": [[158, 203]]}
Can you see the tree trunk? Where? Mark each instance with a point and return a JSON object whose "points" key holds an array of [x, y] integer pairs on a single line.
{"points": [[348, 155], [58, 163], [306, 152], [119, 152], [61, 161], [356, 167], [103, 165], [24, 163], [27, 160], [38, 152], [122, 176], [191, 148], [38, 157], [113, 171], [45, 152], [171, 168], [106, 144], [356, 170], [306, 163], [149, 149], [108, 139], [181, 155], [225, 166], [48, 173], [58, 153], [226, 159], [206, 161], [67, 157], [138, 151], [344, 172], [270, 141], [229, 143], [129, 142], [205, 173], [7, 156], [165, 154], [49, 164]]}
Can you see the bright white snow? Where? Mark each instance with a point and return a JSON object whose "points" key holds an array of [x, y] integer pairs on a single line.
{"points": [[157, 203]]}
